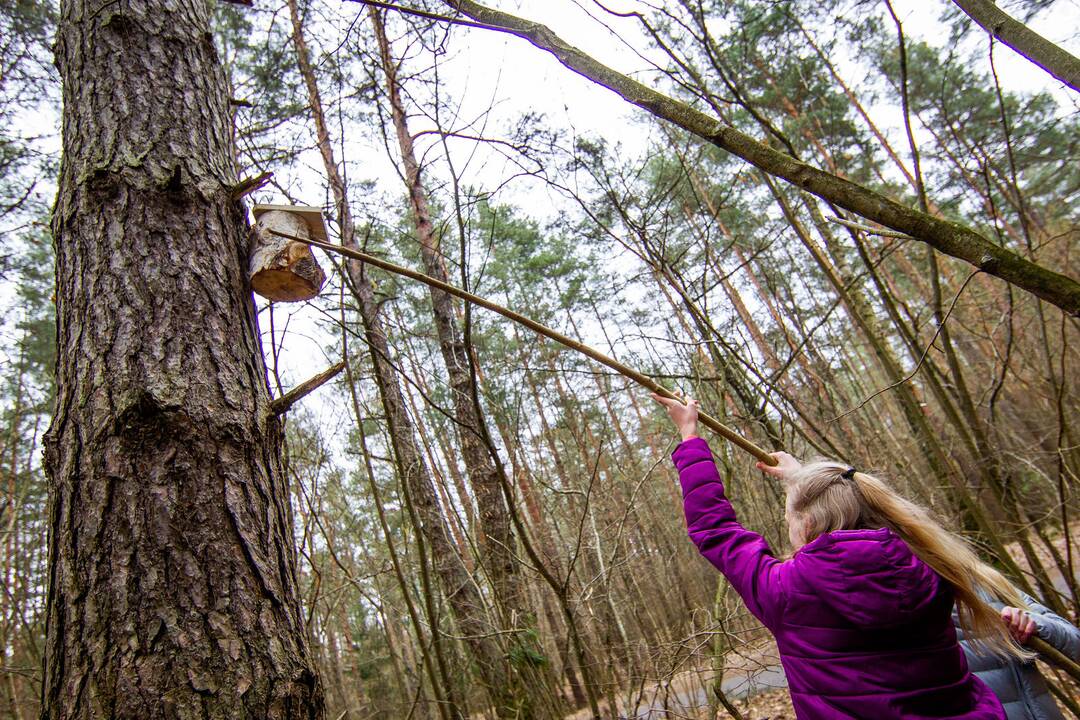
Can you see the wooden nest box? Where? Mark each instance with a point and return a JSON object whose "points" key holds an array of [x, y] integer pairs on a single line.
{"points": [[285, 270]]}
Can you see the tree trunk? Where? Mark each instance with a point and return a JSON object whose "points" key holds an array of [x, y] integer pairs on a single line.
{"points": [[461, 592], [498, 544], [172, 587]]}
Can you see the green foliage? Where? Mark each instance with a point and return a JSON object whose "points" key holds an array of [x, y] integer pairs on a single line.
{"points": [[258, 56], [541, 270], [28, 87], [26, 398], [960, 106], [36, 324], [525, 652]]}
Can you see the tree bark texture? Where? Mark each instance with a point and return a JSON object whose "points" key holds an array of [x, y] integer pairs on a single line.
{"points": [[172, 589], [949, 237]]}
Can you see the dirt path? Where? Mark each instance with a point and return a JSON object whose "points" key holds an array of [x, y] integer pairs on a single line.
{"points": [[752, 678]]}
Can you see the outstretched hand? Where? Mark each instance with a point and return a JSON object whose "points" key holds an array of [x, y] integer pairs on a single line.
{"points": [[683, 414], [786, 466]]}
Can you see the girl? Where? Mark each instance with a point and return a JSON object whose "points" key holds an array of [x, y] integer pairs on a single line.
{"points": [[861, 612]]}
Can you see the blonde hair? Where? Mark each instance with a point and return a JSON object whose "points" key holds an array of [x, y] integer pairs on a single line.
{"points": [[823, 497]]}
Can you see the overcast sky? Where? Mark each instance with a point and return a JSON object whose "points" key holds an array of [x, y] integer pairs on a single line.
{"points": [[499, 78]]}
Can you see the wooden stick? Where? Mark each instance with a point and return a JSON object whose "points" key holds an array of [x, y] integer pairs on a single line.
{"points": [[249, 185], [1047, 651], [644, 380], [1055, 657], [290, 398]]}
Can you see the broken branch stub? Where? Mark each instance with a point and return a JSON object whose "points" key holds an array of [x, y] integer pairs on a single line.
{"points": [[284, 270]]}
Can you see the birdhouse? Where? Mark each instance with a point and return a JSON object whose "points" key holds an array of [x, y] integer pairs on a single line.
{"points": [[282, 269]]}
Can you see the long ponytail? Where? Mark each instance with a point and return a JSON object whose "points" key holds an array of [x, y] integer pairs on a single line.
{"points": [[825, 498]]}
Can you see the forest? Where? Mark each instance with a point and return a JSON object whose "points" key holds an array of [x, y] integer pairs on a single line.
{"points": [[849, 228]]}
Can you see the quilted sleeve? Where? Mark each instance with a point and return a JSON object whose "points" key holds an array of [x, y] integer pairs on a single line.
{"points": [[1054, 629], [743, 556]]}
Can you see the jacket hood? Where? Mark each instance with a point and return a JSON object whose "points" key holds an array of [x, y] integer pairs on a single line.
{"points": [[870, 577]]}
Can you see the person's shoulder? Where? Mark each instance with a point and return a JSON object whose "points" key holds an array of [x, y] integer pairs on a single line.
{"points": [[840, 541], [852, 552]]}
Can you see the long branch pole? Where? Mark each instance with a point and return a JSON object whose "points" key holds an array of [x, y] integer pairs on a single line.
{"points": [[949, 237], [644, 380], [1048, 651], [1055, 656]]}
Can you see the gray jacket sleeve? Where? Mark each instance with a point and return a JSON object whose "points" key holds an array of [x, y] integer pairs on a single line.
{"points": [[1054, 629]]}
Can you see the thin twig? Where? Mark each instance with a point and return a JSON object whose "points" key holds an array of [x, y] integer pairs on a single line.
{"points": [[882, 232], [249, 185], [433, 16], [922, 357], [290, 398]]}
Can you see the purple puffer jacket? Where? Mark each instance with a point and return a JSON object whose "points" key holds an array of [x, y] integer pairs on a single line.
{"points": [[863, 626]]}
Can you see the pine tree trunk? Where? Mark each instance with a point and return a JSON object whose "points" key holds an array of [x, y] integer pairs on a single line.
{"points": [[499, 543], [172, 587], [462, 595]]}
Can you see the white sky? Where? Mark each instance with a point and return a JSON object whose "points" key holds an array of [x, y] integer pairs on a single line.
{"points": [[493, 69], [487, 68], [511, 77]]}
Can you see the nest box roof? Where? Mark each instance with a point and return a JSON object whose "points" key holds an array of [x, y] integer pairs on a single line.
{"points": [[313, 216]]}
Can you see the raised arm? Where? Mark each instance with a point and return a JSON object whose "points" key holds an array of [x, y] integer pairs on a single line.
{"points": [[743, 556]]}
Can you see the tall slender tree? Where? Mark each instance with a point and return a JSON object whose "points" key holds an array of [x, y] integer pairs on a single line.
{"points": [[487, 478]]}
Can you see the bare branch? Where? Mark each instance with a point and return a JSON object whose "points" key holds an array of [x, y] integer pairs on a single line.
{"points": [[868, 229], [286, 401], [642, 379], [1050, 57], [922, 358], [949, 237], [249, 185]]}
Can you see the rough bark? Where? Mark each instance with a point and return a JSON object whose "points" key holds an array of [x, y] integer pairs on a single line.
{"points": [[1053, 59], [172, 589], [950, 238]]}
